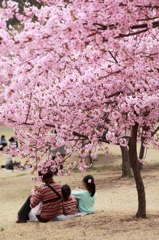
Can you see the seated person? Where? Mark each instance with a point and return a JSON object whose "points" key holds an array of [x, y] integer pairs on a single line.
{"points": [[86, 197], [10, 164], [3, 142], [48, 195], [69, 202], [13, 143]]}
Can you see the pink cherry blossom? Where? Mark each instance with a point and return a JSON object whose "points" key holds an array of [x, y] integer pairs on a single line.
{"points": [[82, 67]]}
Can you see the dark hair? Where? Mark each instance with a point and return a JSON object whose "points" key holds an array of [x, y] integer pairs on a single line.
{"points": [[11, 139], [46, 177], [90, 185], [66, 191]]}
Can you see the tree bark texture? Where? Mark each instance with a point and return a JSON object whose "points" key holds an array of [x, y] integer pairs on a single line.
{"points": [[125, 162], [142, 152], [141, 212]]}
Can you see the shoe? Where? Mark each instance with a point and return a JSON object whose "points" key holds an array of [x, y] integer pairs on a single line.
{"points": [[21, 221]]}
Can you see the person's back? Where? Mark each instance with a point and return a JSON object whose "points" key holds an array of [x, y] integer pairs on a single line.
{"points": [[12, 142], [9, 164], [85, 201], [69, 202], [86, 198], [52, 205], [3, 142], [70, 206]]}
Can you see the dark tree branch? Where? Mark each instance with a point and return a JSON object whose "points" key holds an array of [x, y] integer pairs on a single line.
{"points": [[28, 109], [114, 94], [110, 74], [80, 135], [113, 57], [155, 131], [131, 34]]}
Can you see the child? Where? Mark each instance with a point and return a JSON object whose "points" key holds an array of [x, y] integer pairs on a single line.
{"points": [[86, 198], [69, 202]]}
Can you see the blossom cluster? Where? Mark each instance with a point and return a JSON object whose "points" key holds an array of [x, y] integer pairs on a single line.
{"points": [[85, 68]]}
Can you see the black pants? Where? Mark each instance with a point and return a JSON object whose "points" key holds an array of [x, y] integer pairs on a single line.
{"points": [[23, 213], [3, 145]]}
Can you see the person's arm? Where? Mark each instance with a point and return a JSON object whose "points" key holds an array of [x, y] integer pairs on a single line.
{"points": [[36, 196], [77, 193]]}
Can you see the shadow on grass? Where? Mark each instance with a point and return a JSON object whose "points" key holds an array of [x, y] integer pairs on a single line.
{"points": [[101, 168], [14, 176]]}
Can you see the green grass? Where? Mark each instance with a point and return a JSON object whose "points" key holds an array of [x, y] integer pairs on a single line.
{"points": [[22, 174], [111, 155], [14, 176], [104, 168], [101, 168]]}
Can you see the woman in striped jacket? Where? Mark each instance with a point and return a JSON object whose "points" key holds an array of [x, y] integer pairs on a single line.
{"points": [[48, 195]]}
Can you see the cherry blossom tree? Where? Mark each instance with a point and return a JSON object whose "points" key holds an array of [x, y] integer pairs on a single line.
{"points": [[81, 67]]}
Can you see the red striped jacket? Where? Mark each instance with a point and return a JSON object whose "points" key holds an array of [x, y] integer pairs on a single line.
{"points": [[70, 206], [50, 209]]}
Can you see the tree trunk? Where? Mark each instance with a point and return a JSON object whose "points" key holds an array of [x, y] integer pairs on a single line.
{"points": [[141, 212], [142, 148], [125, 162], [142, 151], [90, 158]]}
